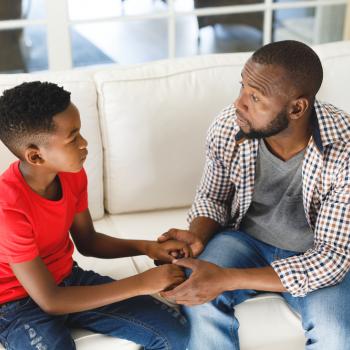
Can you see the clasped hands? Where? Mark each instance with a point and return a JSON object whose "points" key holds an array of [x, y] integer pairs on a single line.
{"points": [[206, 281]]}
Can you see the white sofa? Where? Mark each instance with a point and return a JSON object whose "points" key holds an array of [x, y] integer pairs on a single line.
{"points": [[146, 127]]}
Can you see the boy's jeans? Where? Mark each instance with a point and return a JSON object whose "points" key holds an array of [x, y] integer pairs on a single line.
{"points": [[143, 320], [325, 313]]}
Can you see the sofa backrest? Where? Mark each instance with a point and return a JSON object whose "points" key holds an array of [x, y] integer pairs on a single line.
{"points": [[153, 119], [84, 96]]}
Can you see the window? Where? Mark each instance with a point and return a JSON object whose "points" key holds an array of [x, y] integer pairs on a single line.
{"points": [[51, 34]]}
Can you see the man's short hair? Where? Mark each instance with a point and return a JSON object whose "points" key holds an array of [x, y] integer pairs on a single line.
{"points": [[27, 111], [302, 65]]}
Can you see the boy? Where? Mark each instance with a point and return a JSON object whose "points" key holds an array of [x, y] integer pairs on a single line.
{"points": [[43, 196]]}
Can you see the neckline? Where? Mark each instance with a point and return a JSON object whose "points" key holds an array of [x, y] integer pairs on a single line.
{"points": [[290, 163], [37, 196]]}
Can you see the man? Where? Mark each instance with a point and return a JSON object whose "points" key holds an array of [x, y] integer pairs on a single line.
{"points": [[272, 209]]}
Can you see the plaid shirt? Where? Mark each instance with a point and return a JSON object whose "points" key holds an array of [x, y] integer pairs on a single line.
{"points": [[227, 186]]}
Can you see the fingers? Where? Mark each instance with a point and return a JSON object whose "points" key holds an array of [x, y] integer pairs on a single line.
{"points": [[178, 249], [187, 252], [164, 237], [171, 234], [164, 256], [179, 291], [186, 262]]}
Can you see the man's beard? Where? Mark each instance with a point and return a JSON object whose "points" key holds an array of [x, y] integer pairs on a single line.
{"points": [[277, 125]]}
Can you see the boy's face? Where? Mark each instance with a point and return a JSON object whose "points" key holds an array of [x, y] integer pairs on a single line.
{"points": [[65, 149]]}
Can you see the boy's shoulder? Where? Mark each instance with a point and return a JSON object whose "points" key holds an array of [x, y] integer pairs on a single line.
{"points": [[11, 189]]}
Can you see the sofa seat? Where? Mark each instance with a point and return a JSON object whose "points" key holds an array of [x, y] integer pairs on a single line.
{"points": [[282, 331]]}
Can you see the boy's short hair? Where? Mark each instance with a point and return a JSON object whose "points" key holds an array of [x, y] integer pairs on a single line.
{"points": [[27, 111]]}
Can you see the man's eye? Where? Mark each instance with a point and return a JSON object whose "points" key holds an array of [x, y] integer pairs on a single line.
{"points": [[254, 98], [242, 84]]}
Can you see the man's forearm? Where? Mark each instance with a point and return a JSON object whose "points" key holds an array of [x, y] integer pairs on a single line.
{"points": [[204, 228], [262, 279]]}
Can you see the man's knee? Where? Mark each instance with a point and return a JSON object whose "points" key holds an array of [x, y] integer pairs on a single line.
{"points": [[232, 249], [326, 317]]}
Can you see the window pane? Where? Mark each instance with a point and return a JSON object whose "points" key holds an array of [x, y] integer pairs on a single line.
{"points": [[121, 42], [23, 50], [33, 9], [290, 1], [310, 25], [186, 5], [218, 34], [19, 9], [89, 9]]}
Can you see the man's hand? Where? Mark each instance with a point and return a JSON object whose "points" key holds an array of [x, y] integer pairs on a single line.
{"points": [[167, 251], [206, 282], [160, 278], [185, 236]]}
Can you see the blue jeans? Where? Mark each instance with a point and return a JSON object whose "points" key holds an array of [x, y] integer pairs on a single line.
{"points": [[143, 320], [325, 313]]}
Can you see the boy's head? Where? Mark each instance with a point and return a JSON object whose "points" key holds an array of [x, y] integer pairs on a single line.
{"points": [[40, 125]]}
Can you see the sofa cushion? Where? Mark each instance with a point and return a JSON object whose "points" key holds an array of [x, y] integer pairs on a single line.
{"points": [[335, 59], [84, 97], [154, 119]]}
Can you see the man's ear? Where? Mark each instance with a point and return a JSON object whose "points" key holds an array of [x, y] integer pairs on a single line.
{"points": [[33, 156], [298, 108]]}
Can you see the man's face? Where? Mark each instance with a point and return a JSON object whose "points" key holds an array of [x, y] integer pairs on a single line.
{"points": [[65, 149], [261, 106]]}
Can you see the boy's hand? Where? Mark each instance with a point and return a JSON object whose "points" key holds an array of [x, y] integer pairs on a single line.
{"points": [[160, 278], [185, 236], [167, 251]]}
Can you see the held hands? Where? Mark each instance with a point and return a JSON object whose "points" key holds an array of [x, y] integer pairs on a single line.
{"points": [[160, 278], [206, 282], [167, 251], [185, 236]]}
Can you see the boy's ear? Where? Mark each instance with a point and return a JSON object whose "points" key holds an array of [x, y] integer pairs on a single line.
{"points": [[33, 155]]}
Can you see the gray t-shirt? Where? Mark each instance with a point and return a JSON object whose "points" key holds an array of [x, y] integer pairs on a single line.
{"points": [[276, 215]]}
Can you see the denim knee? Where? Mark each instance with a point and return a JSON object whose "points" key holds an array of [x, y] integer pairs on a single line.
{"points": [[175, 340]]}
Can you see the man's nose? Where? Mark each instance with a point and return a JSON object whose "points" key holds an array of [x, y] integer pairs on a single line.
{"points": [[240, 103]]}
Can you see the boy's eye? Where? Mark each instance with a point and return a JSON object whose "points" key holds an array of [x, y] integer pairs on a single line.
{"points": [[75, 138]]}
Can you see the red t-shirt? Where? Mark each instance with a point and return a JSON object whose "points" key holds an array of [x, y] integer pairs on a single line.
{"points": [[32, 226]]}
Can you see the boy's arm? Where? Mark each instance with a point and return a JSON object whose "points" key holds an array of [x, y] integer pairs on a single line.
{"points": [[37, 280], [92, 243]]}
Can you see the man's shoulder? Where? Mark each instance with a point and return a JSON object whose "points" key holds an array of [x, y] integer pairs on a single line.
{"points": [[330, 109], [334, 122], [224, 125]]}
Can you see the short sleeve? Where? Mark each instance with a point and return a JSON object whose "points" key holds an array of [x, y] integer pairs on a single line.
{"points": [[17, 241]]}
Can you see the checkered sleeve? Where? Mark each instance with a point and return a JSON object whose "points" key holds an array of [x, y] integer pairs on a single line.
{"points": [[214, 195], [327, 263]]}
